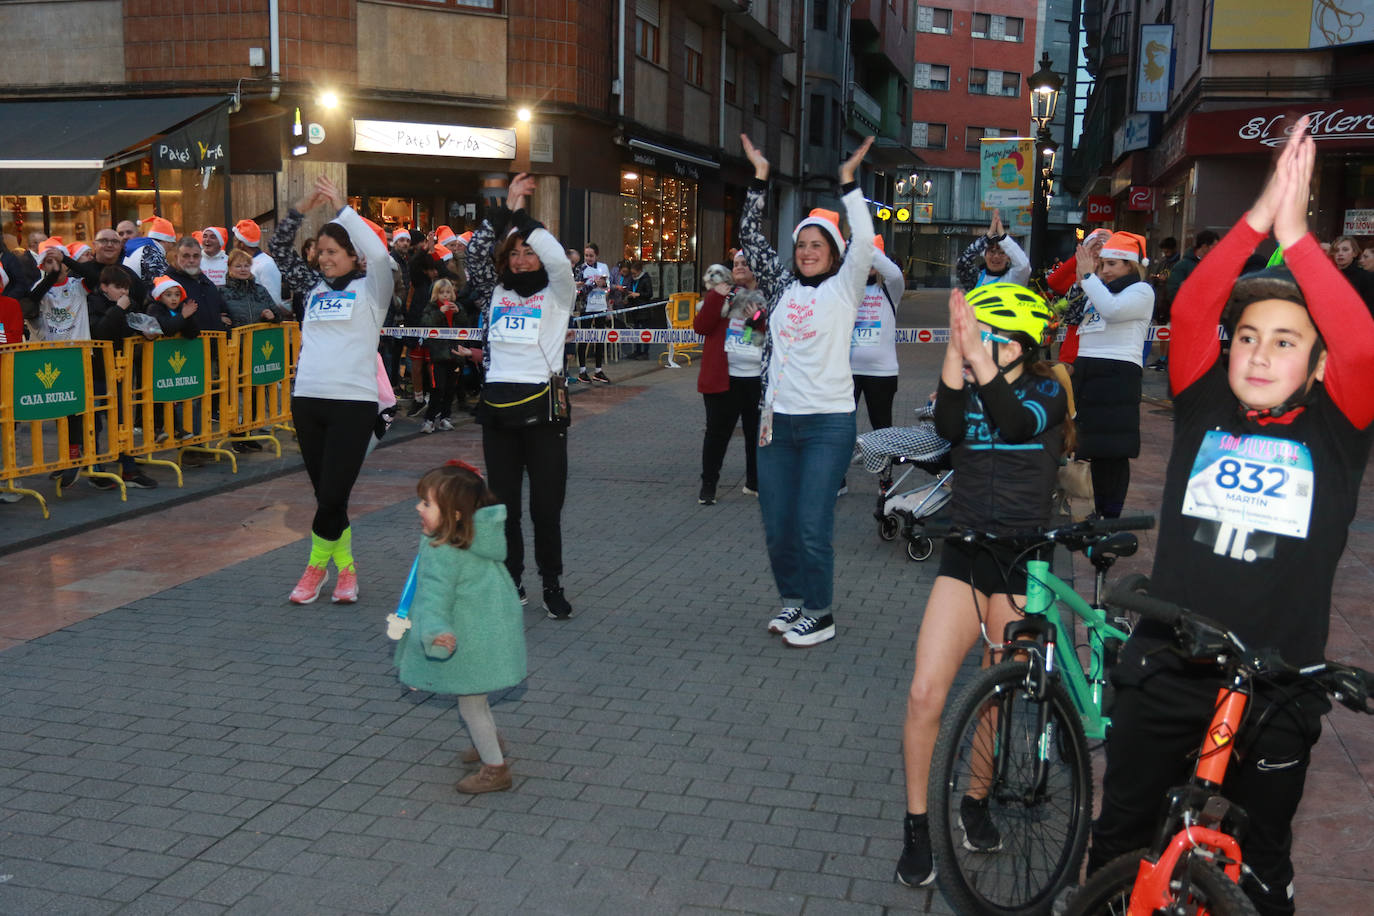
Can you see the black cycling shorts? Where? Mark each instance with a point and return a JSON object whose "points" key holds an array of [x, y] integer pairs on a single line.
{"points": [[986, 567]]}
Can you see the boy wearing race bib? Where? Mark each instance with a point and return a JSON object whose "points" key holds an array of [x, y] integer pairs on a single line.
{"points": [[1270, 445]]}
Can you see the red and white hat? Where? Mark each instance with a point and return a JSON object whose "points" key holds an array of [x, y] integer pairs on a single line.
{"points": [[164, 283], [442, 253], [219, 233], [1125, 246], [196, 234], [444, 235], [381, 233], [398, 232], [879, 244], [161, 229], [77, 249], [49, 245], [465, 239], [248, 232], [828, 221], [4, 278]]}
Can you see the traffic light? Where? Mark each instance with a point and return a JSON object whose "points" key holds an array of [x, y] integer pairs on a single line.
{"points": [[295, 139]]}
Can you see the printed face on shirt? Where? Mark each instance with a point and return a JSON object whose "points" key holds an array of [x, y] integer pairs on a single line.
{"points": [[430, 514], [996, 259], [812, 252], [1270, 353], [1109, 269], [333, 259], [523, 259], [1343, 253]]}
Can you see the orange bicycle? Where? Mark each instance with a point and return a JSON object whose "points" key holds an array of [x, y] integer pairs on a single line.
{"points": [[1195, 866]]}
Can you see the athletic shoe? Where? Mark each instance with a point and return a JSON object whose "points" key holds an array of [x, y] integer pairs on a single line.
{"points": [[573, 380], [599, 376], [309, 587], [427, 427], [417, 405], [101, 483], [750, 491], [582, 376], [161, 436], [11, 497], [786, 619], [556, 603], [707, 496], [844, 488], [980, 833], [524, 599], [810, 631], [445, 424], [140, 481], [915, 868], [65, 478], [346, 589]]}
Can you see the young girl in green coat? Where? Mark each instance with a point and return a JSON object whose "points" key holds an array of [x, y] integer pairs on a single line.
{"points": [[467, 633]]}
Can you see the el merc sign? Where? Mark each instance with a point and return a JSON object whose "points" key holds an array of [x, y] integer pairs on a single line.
{"points": [[453, 140], [1340, 124]]}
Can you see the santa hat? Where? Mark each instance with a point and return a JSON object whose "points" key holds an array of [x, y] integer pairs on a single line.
{"points": [[162, 284], [196, 234], [161, 229], [399, 233], [828, 221], [465, 239], [52, 244], [77, 249], [248, 232], [878, 244], [218, 232], [1125, 246], [381, 233], [442, 253], [444, 235]]}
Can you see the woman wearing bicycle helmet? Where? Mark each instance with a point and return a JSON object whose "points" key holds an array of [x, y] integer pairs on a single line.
{"points": [[1006, 417], [1271, 441]]}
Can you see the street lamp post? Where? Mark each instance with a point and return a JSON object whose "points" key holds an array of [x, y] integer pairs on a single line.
{"points": [[912, 187], [1045, 86]]}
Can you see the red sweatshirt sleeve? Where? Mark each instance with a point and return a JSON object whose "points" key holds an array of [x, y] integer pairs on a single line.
{"points": [[1061, 278], [708, 316], [1345, 325], [1198, 305]]}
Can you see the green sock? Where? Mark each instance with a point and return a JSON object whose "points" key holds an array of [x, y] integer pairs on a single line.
{"points": [[343, 550], [321, 550]]}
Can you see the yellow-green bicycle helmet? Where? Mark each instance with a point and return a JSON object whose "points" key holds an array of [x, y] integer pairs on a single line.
{"points": [[1011, 307]]}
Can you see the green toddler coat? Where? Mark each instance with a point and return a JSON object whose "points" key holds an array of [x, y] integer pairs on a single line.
{"points": [[467, 593]]}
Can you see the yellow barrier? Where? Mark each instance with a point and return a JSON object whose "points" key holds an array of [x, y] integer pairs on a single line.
{"points": [[681, 309], [263, 362], [50, 387], [175, 394]]}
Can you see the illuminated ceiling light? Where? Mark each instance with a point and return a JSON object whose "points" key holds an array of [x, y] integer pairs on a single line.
{"points": [[329, 99], [523, 114], [631, 176]]}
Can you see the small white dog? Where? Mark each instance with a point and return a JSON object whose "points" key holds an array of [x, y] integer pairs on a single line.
{"points": [[717, 274]]}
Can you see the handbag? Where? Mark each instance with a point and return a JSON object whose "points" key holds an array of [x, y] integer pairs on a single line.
{"points": [[1074, 488], [517, 405]]}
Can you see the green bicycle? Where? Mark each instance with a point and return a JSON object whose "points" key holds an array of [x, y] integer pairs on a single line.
{"points": [[1018, 734]]}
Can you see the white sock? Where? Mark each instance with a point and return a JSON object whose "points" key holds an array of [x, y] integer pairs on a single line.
{"points": [[476, 715], [581, 368]]}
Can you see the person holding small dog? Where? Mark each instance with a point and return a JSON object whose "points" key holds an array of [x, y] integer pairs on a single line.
{"points": [[733, 319]]}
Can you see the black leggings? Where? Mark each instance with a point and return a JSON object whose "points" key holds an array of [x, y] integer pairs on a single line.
{"points": [[542, 451], [333, 437], [598, 349], [879, 391], [1111, 480], [723, 410], [443, 383]]}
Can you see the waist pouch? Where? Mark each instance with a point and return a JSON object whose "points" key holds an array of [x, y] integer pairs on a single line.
{"points": [[516, 405]]}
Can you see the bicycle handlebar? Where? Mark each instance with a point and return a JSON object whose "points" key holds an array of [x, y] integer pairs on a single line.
{"points": [[1064, 534], [1201, 637]]}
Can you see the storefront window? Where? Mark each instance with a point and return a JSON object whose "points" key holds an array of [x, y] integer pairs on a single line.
{"points": [[659, 225]]}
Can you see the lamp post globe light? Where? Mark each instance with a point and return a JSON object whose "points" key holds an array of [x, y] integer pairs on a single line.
{"points": [[912, 188], [1045, 86]]}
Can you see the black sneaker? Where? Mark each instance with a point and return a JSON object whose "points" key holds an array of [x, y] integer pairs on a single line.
{"points": [[101, 483], [416, 407], [582, 376], [67, 477], [599, 376], [707, 496], [556, 604], [915, 868], [524, 599], [980, 833], [810, 631], [140, 481]]}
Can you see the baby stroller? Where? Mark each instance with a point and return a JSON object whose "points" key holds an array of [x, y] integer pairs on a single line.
{"points": [[908, 448]]}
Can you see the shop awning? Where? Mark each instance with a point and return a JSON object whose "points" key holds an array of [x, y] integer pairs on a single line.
{"points": [[61, 147]]}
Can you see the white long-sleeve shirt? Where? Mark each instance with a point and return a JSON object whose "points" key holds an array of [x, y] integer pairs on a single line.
{"points": [[266, 272], [1115, 324], [525, 340], [873, 346], [341, 327]]}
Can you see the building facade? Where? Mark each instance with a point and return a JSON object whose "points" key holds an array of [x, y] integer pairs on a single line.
{"points": [[1190, 100], [634, 108]]}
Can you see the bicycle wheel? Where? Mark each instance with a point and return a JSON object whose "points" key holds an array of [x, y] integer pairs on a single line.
{"points": [[990, 740], [1109, 890]]}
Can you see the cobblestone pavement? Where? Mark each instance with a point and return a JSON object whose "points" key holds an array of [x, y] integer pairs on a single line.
{"points": [[203, 747]]}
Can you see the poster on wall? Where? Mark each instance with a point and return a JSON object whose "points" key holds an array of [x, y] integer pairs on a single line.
{"points": [[1358, 222], [1007, 169], [1290, 25], [1156, 68]]}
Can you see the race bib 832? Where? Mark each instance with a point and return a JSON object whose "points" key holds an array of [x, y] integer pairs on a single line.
{"points": [[1254, 483]]}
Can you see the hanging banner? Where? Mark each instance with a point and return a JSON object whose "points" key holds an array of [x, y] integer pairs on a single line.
{"points": [[1156, 68], [201, 144], [49, 383], [1007, 172]]}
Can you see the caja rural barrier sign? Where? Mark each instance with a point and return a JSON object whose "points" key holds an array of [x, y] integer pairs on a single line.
{"points": [[267, 349], [49, 384], [178, 370]]}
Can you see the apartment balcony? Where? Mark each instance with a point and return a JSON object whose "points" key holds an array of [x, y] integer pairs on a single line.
{"points": [[865, 114]]}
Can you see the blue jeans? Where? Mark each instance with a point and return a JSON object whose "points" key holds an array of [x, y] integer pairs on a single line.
{"points": [[799, 473]]}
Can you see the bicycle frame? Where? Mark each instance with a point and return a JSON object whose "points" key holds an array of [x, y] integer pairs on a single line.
{"points": [[1044, 592]]}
